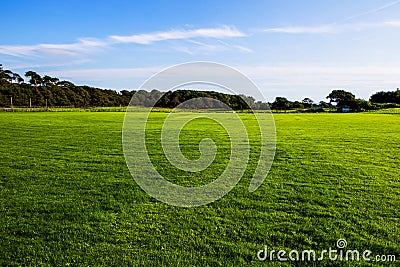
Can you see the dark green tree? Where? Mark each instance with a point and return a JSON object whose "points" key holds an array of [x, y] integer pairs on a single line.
{"points": [[386, 97], [48, 81], [307, 102], [281, 103], [323, 104], [341, 98], [35, 78], [17, 78]]}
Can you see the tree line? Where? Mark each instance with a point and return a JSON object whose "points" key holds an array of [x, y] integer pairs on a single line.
{"points": [[50, 91]]}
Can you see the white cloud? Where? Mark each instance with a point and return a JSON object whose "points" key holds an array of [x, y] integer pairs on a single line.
{"points": [[303, 29], [339, 26], [205, 46], [106, 73], [394, 23], [85, 46], [74, 49], [195, 46], [332, 28], [149, 38], [262, 71], [372, 11], [236, 47]]}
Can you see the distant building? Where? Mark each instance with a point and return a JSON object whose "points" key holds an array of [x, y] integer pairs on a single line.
{"points": [[343, 109]]}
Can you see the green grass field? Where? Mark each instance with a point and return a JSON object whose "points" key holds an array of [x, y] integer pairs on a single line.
{"points": [[68, 199]]}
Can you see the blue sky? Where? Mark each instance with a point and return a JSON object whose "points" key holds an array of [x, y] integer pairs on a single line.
{"points": [[293, 48]]}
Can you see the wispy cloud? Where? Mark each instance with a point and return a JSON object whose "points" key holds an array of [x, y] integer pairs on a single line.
{"points": [[86, 46], [205, 46], [236, 47], [303, 29], [107, 73], [299, 70], [372, 11], [149, 38], [83, 45], [194, 46], [339, 26], [393, 23], [332, 28]]}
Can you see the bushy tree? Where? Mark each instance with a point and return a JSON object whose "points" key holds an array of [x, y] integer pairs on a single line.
{"points": [[307, 102], [35, 78], [341, 97], [49, 81], [281, 103], [386, 97]]}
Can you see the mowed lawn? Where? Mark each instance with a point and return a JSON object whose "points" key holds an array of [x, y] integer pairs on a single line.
{"points": [[68, 199]]}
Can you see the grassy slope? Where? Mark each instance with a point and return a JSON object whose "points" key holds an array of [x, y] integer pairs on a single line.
{"points": [[67, 198]]}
